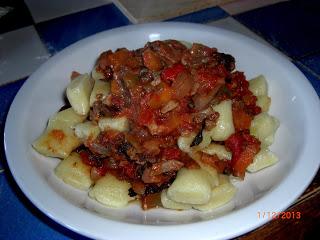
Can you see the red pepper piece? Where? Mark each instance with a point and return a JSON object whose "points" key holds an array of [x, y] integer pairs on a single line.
{"points": [[244, 147], [170, 73], [145, 117]]}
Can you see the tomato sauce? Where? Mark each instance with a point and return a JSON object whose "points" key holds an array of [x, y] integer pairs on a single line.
{"points": [[165, 89]]}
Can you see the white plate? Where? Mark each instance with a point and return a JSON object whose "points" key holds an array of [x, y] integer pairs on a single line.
{"points": [[294, 103]]}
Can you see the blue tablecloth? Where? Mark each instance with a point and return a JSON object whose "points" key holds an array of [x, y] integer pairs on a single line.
{"points": [[292, 27]]}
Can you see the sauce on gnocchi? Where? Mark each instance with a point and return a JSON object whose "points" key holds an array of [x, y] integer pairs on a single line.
{"points": [[165, 124]]}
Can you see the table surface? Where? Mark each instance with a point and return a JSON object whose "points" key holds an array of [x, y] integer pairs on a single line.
{"points": [[28, 37]]}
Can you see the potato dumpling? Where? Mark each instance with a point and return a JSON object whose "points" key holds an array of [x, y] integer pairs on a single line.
{"points": [[120, 124], [263, 127], [58, 140], [220, 195], [168, 203], [218, 150], [100, 91], [67, 117], [74, 172], [192, 186], [224, 127], [56, 143], [111, 192], [96, 75], [265, 158], [214, 180], [87, 131], [259, 86], [184, 142], [78, 93], [263, 102]]}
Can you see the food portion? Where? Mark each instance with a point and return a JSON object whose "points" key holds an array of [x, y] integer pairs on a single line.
{"points": [[166, 124]]}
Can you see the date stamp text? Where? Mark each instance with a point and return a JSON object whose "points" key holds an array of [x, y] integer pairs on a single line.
{"points": [[279, 215]]}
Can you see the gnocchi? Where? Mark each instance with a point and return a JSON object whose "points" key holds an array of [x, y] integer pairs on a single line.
{"points": [[220, 195], [87, 131], [78, 93], [264, 127], [111, 192], [196, 156], [259, 86], [59, 139], [74, 172], [192, 186], [264, 102], [120, 124], [168, 203], [265, 158], [100, 91], [224, 126]]}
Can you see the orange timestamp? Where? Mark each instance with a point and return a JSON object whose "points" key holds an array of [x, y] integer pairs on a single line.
{"points": [[279, 215]]}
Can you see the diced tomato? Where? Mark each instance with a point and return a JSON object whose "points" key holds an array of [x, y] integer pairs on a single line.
{"points": [[184, 105], [85, 158], [244, 147], [241, 119], [171, 153], [160, 98], [145, 117], [249, 99], [169, 74], [235, 144], [245, 159], [103, 169], [255, 109]]}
